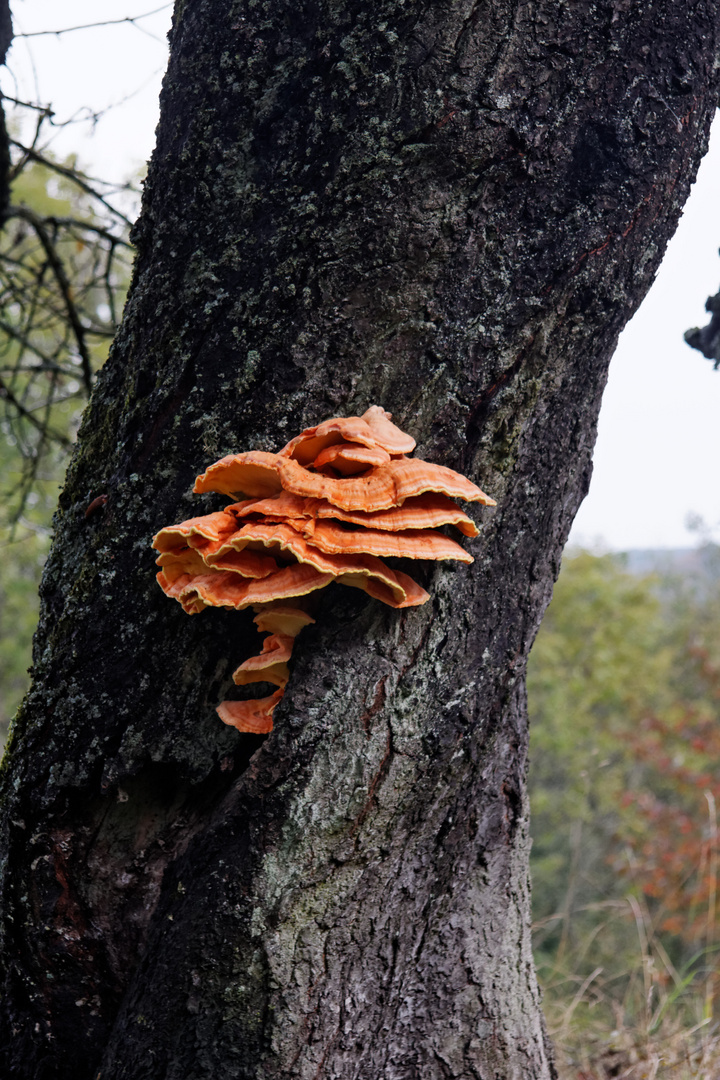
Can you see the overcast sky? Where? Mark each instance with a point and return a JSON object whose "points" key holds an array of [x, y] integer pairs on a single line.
{"points": [[113, 70], [658, 449]]}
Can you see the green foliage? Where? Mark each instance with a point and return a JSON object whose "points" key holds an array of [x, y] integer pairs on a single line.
{"points": [[623, 693], [599, 659]]}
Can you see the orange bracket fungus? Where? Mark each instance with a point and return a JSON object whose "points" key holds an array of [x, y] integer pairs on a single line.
{"points": [[328, 507]]}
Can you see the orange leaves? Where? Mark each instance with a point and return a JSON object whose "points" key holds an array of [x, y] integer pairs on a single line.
{"points": [[675, 847]]}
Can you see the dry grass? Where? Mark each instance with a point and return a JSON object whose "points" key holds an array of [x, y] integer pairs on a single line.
{"points": [[642, 1020], [681, 1055]]}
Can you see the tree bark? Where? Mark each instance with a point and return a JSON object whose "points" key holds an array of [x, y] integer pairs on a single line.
{"points": [[449, 210]]}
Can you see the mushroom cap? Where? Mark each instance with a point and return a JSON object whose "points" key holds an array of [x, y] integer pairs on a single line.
{"points": [[349, 459], [388, 434], [334, 538], [248, 562], [216, 588], [254, 716], [412, 594], [289, 540], [276, 648], [382, 487], [279, 537], [251, 564], [425, 511], [281, 619], [177, 588], [374, 429], [277, 674], [378, 489], [210, 527], [281, 507], [181, 561], [252, 473], [271, 665]]}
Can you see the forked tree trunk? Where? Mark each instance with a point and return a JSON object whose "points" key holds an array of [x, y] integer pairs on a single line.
{"points": [[450, 210]]}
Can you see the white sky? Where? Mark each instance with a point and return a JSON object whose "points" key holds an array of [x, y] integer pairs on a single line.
{"points": [[658, 449], [657, 458], [117, 68]]}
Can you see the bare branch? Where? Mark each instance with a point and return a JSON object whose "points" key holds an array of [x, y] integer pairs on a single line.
{"points": [[7, 394], [29, 105], [62, 279], [90, 26], [59, 271], [83, 182], [97, 229], [47, 362]]}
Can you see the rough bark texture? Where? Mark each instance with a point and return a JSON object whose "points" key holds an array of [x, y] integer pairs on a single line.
{"points": [[449, 209]]}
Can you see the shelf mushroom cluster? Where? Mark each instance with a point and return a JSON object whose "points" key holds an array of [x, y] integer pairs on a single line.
{"points": [[328, 507]]}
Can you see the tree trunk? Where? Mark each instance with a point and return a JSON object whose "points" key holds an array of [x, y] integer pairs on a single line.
{"points": [[446, 209]]}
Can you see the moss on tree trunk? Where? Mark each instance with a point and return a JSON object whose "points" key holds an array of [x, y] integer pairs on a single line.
{"points": [[449, 210]]}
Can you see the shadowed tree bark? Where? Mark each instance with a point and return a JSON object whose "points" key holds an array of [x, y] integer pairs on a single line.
{"points": [[450, 210]]}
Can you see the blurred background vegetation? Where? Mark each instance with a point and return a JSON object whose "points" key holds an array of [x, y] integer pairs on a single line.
{"points": [[65, 264], [624, 692]]}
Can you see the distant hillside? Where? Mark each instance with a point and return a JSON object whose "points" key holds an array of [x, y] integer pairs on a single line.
{"points": [[702, 563]]}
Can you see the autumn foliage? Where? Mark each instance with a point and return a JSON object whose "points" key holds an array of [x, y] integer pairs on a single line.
{"points": [[624, 700], [671, 839]]}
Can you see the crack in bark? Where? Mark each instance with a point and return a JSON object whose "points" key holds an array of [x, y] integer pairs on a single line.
{"points": [[378, 702]]}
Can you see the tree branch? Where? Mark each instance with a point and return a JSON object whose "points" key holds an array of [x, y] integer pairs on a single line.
{"points": [[61, 277], [27, 414], [71, 174], [91, 26]]}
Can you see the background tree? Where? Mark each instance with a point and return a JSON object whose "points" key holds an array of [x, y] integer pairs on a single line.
{"points": [[622, 689], [602, 661], [64, 271], [448, 210]]}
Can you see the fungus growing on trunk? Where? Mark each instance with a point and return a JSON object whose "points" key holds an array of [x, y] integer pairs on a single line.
{"points": [[325, 508]]}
